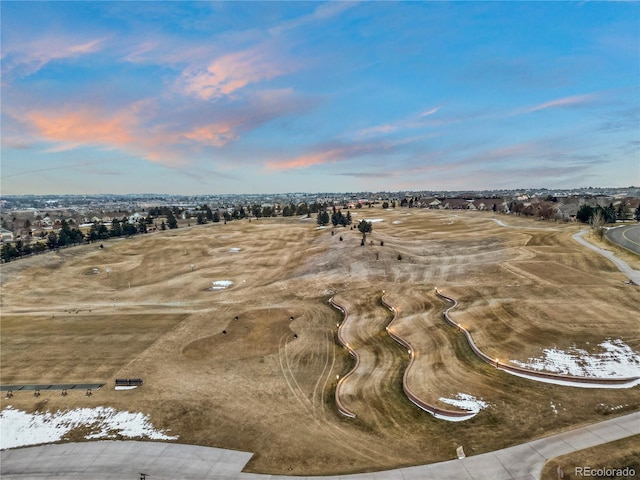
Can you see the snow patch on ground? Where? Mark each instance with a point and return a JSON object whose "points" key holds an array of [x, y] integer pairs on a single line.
{"points": [[397, 222], [465, 401], [220, 284], [20, 429], [234, 249], [321, 227], [374, 220], [126, 387], [616, 360]]}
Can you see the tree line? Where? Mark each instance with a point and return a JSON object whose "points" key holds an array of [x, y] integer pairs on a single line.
{"points": [[609, 214]]}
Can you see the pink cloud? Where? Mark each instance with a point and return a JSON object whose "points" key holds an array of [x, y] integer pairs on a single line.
{"points": [[229, 73], [332, 153], [82, 127], [306, 161], [90, 127], [216, 134]]}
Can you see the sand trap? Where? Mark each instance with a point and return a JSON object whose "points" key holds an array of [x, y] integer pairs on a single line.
{"points": [[220, 284], [20, 429]]}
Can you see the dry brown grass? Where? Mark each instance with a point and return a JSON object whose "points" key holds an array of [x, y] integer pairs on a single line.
{"points": [[614, 455], [258, 389]]}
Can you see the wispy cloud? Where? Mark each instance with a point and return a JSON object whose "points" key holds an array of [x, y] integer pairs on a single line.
{"points": [[429, 112], [571, 101], [408, 123], [26, 58], [323, 155], [322, 12], [231, 72], [334, 152]]}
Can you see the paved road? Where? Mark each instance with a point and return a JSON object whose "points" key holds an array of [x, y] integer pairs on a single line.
{"points": [[627, 237], [164, 461]]}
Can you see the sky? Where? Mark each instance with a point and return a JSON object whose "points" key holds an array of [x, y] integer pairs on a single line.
{"points": [[267, 97]]}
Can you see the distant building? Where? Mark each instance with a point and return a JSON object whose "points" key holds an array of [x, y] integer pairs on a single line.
{"points": [[6, 235]]}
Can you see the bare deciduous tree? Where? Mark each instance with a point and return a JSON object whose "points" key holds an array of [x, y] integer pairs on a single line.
{"points": [[597, 223]]}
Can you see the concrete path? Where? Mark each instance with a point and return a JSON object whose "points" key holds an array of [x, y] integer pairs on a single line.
{"points": [[127, 460], [634, 275]]}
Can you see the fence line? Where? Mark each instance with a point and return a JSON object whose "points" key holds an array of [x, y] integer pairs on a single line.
{"points": [[585, 382], [341, 408], [432, 409]]}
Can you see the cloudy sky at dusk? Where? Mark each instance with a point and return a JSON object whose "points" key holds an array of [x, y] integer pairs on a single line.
{"points": [[244, 97]]}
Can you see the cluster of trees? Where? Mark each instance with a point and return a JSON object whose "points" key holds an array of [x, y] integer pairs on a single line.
{"points": [[119, 228], [206, 215], [67, 236], [408, 202], [545, 209], [610, 214], [9, 251], [336, 218], [303, 209]]}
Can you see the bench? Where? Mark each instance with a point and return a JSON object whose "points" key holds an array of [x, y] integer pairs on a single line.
{"points": [[128, 382]]}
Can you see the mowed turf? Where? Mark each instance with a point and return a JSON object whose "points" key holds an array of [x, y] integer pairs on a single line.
{"points": [[74, 347], [267, 385]]}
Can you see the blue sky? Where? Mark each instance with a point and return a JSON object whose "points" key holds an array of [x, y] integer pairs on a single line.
{"points": [[261, 97]]}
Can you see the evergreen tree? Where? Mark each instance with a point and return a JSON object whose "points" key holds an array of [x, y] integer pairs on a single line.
{"points": [[171, 220], [584, 214], [8, 252], [103, 233], [323, 218], [610, 214], [129, 229], [216, 217], [365, 227], [256, 211], [116, 228], [622, 211], [52, 240], [208, 213]]}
